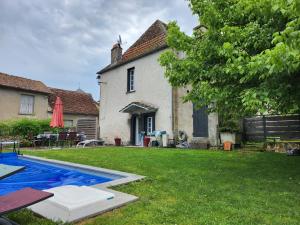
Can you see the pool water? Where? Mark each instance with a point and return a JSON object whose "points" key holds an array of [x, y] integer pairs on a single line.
{"points": [[41, 176]]}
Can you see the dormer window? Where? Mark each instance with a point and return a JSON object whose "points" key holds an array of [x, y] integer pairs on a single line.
{"points": [[130, 80]]}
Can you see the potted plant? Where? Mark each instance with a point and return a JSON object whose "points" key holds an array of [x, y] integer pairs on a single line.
{"points": [[117, 141], [230, 131]]}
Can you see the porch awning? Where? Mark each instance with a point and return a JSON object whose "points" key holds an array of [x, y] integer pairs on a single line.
{"points": [[139, 108]]}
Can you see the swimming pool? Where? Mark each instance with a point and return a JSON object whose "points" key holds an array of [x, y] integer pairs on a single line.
{"points": [[44, 175]]}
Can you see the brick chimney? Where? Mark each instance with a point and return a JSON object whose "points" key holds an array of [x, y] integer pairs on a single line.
{"points": [[116, 53]]}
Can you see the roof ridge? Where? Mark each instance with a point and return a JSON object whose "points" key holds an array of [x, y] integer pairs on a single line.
{"points": [[23, 83], [24, 78], [74, 102], [163, 25], [152, 40], [68, 90], [75, 92], [140, 40]]}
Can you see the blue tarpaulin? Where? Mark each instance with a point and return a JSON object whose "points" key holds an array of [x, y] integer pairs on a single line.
{"points": [[41, 176]]}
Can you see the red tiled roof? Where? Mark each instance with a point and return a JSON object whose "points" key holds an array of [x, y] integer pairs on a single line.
{"points": [[152, 40], [10, 81], [147, 46], [74, 102]]}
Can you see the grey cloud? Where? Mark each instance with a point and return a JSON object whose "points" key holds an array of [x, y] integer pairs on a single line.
{"points": [[63, 43]]}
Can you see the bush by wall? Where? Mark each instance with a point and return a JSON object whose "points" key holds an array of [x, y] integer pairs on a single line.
{"points": [[5, 129], [24, 127]]}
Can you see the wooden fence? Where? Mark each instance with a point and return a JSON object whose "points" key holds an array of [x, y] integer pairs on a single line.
{"points": [[260, 127], [88, 126]]}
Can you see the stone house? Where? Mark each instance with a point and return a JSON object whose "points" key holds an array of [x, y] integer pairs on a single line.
{"points": [[22, 98], [25, 98], [136, 97]]}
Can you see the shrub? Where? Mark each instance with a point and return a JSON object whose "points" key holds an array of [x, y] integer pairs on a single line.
{"points": [[24, 127], [5, 129], [229, 122], [25, 143]]}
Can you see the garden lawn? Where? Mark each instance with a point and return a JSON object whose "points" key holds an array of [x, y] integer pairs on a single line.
{"points": [[194, 187]]}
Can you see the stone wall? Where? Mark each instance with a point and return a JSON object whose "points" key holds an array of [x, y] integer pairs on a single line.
{"points": [[280, 146]]}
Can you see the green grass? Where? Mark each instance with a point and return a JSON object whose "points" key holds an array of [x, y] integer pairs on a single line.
{"points": [[194, 187]]}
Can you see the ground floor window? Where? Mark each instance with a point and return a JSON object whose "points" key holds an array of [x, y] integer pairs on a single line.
{"points": [[68, 123]]}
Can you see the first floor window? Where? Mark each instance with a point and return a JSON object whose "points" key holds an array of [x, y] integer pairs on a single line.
{"points": [[130, 80], [149, 125], [27, 104]]}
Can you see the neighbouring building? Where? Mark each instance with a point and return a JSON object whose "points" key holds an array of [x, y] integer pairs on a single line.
{"points": [[80, 110], [25, 98], [22, 98], [136, 97]]}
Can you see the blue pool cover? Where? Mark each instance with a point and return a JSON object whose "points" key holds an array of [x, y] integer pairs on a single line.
{"points": [[42, 176]]}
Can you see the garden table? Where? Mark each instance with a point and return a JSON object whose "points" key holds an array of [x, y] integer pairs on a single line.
{"points": [[48, 136]]}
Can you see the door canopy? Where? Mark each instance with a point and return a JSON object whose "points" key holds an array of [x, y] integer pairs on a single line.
{"points": [[138, 108]]}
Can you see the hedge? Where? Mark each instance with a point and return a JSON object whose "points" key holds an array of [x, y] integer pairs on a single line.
{"points": [[24, 127]]}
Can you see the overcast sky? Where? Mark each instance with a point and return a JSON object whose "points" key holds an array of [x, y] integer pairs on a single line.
{"points": [[64, 43]]}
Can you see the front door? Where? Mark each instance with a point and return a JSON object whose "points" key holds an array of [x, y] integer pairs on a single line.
{"points": [[200, 122], [141, 123]]}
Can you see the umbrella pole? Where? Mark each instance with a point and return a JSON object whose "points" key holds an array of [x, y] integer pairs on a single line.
{"points": [[57, 138]]}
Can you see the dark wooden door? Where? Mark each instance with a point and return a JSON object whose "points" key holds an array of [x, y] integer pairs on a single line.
{"points": [[132, 129], [200, 122]]}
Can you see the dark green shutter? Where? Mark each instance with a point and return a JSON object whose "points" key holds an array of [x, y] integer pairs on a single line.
{"points": [[128, 80], [200, 122]]}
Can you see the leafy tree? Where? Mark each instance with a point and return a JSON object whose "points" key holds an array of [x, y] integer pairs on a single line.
{"points": [[243, 58]]}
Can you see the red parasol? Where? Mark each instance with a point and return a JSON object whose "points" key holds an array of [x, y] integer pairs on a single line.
{"points": [[57, 119]]}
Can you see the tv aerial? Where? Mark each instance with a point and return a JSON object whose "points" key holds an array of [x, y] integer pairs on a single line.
{"points": [[119, 41]]}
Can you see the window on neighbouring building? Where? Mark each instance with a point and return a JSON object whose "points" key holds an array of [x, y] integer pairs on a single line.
{"points": [[27, 104], [130, 80], [68, 123], [149, 125]]}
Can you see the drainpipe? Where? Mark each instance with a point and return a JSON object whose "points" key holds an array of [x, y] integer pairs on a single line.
{"points": [[175, 112]]}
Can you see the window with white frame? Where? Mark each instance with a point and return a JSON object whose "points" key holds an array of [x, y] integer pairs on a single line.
{"points": [[68, 123], [130, 80], [149, 125], [27, 104]]}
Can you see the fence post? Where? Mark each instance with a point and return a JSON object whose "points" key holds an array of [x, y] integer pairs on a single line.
{"points": [[265, 127]]}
